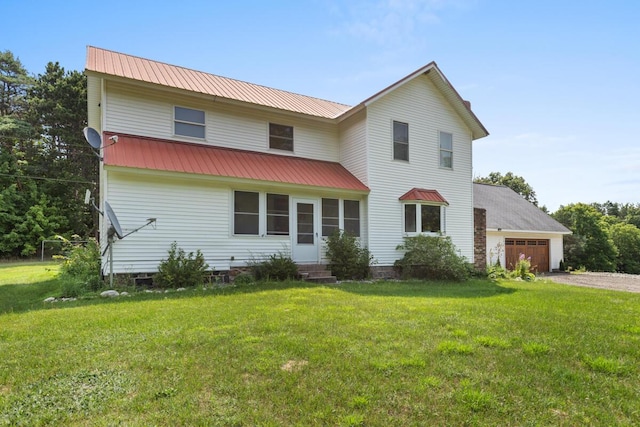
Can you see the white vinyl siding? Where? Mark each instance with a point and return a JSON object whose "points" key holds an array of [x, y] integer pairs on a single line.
{"points": [[197, 211], [140, 111], [194, 211], [353, 146], [419, 103], [94, 94]]}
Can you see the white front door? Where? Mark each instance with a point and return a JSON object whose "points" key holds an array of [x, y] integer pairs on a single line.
{"points": [[305, 241]]}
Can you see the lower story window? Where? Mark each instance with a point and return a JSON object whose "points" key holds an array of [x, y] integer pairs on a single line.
{"points": [[277, 214], [246, 209], [426, 218], [330, 216], [430, 218], [410, 218], [352, 217]]}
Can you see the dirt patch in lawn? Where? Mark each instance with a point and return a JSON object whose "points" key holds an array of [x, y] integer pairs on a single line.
{"points": [[611, 281]]}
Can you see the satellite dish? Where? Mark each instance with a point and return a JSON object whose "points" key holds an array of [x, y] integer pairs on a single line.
{"points": [[93, 137], [113, 219]]}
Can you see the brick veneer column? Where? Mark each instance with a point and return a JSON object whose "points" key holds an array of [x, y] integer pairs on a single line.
{"points": [[480, 238]]}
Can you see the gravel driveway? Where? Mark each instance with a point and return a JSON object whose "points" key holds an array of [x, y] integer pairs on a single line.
{"points": [[612, 281]]}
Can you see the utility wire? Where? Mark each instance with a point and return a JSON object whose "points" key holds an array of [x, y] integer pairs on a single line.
{"points": [[47, 178]]}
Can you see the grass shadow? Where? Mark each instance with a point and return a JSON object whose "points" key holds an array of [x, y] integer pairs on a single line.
{"points": [[27, 297], [428, 289]]}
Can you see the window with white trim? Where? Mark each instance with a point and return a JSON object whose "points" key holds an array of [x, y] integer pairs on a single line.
{"points": [[277, 215], [280, 137], [446, 150], [423, 217], [330, 216], [253, 211], [400, 141], [188, 122], [352, 217], [246, 212]]}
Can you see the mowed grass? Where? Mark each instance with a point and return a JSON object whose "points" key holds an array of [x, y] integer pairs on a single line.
{"points": [[24, 285], [386, 353]]}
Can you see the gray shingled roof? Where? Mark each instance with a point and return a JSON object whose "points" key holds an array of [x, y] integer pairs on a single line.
{"points": [[508, 210]]}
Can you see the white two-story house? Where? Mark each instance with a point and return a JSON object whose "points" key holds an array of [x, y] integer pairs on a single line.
{"points": [[240, 171]]}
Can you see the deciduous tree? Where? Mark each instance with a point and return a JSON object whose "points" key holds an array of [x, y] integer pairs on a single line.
{"points": [[514, 182], [596, 251]]}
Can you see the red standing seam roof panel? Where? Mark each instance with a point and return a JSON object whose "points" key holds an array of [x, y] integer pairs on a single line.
{"points": [[159, 154], [420, 194], [141, 69]]}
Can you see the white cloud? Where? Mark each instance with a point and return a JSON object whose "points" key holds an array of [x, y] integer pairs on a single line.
{"points": [[392, 22]]}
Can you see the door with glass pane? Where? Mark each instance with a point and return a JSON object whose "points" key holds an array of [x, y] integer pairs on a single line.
{"points": [[305, 243]]}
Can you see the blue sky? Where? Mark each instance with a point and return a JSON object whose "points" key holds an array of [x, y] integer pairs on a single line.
{"points": [[556, 83]]}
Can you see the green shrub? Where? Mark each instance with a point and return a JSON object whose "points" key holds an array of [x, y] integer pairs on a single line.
{"points": [[522, 268], [431, 257], [80, 269], [244, 279], [181, 270], [275, 267], [347, 259], [496, 271]]}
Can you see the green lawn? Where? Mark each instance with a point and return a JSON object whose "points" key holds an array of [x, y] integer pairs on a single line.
{"points": [[387, 353]]}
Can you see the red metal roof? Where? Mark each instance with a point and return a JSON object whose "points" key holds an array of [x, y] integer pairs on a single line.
{"points": [[420, 194], [141, 69], [158, 154], [117, 64]]}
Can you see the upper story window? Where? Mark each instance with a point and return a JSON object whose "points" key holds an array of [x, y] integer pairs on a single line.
{"points": [[426, 218], [280, 137], [446, 150], [188, 122], [400, 141]]}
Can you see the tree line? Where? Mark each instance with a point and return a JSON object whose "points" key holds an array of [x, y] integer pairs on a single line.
{"points": [[605, 236], [45, 164]]}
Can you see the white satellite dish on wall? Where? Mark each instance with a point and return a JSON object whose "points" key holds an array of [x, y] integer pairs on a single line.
{"points": [[93, 138], [113, 219]]}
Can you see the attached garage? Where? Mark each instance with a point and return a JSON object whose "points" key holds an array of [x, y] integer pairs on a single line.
{"points": [[536, 249], [515, 226]]}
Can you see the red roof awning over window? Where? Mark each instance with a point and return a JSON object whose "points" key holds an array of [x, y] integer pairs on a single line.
{"points": [[422, 195], [159, 154]]}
